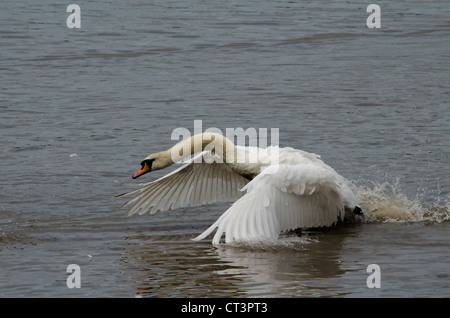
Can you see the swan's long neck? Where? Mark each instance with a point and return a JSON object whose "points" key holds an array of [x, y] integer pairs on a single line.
{"points": [[216, 143], [242, 160]]}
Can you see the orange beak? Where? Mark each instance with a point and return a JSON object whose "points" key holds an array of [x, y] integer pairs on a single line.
{"points": [[144, 169]]}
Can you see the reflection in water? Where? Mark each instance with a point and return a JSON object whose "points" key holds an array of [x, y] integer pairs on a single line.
{"points": [[282, 267], [322, 263], [176, 267], [179, 269]]}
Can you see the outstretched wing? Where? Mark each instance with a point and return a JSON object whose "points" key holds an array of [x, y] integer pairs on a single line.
{"points": [[281, 198], [193, 184]]}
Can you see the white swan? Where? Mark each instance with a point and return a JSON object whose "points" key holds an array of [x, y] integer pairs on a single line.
{"points": [[296, 190]]}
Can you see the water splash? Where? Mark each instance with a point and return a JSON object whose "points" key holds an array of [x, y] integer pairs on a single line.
{"points": [[385, 203]]}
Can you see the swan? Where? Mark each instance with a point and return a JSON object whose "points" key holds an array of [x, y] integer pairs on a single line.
{"points": [[297, 190]]}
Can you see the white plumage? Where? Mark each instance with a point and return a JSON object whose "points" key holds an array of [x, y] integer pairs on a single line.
{"points": [[298, 190]]}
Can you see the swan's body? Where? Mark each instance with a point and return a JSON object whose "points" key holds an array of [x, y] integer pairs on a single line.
{"points": [[296, 190]]}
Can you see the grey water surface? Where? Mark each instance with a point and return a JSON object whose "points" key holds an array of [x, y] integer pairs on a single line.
{"points": [[80, 108]]}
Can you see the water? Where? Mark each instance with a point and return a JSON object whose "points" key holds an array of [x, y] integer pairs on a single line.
{"points": [[81, 108]]}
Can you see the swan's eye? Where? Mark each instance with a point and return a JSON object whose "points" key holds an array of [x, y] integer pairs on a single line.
{"points": [[146, 166]]}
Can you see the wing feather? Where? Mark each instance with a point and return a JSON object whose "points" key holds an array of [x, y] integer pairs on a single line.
{"points": [[193, 184], [295, 196]]}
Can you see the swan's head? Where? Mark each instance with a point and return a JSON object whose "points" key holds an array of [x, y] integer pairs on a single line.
{"points": [[146, 166], [153, 162]]}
